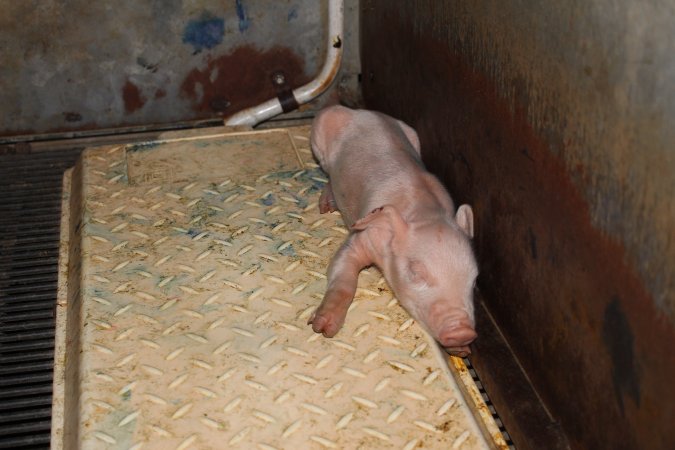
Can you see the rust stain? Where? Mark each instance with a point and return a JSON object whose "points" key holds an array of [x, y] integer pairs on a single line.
{"points": [[561, 289], [160, 93], [241, 79], [133, 99], [335, 68]]}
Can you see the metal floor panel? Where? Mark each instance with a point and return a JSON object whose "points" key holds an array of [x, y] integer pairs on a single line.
{"points": [[192, 266], [30, 187], [30, 201]]}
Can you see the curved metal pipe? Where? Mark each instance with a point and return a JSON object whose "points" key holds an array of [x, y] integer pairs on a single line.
{"points": [[256, 114]]}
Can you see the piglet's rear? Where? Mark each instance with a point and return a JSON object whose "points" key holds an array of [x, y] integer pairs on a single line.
{"points": [[401, 219]]}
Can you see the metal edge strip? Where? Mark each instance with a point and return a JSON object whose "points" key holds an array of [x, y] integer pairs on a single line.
{"points": [[58, 399], [476, 404]]}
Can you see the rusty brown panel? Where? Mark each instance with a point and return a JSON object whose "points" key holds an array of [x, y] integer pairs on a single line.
{"points": [[570, 292], [241, 79]]}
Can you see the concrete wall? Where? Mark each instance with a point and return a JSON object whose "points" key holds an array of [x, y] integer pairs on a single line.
{"points": [[77, 64], [556, 121]]}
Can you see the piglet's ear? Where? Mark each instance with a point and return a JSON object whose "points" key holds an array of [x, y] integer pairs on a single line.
{"points": [[411, 134], [464, 219], [385, 218]]}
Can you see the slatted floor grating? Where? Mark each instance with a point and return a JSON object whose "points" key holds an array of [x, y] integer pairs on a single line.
{"points": [[30, 202]]}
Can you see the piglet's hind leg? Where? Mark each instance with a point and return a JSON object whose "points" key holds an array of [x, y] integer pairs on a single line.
{"points": [[327, 201], [343, 275]]}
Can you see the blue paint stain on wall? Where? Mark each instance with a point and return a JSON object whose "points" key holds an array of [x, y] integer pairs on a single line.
{"points": [[205, 32], [244, 21], [292, 13]]}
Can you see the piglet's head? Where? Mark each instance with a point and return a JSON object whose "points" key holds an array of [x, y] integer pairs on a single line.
{"points": [[432, 269]]}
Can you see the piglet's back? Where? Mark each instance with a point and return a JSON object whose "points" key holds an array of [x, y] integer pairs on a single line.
{"points": [[338, 129], [368, 156]]}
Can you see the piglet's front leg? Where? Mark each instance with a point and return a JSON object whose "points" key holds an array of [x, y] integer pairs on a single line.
{"points": [[343, 275]]}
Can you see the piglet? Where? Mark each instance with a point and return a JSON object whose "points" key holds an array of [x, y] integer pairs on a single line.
{"points": [[401, 219]]}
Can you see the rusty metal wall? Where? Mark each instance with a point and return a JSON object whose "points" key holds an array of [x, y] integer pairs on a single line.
{"points": [[80, 65], [555, 120]]}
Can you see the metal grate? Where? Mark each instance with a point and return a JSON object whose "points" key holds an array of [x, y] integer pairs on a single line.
{"points": [[30, 199], [488, 402]]}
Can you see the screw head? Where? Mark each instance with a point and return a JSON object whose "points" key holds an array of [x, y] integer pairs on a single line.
{"points": [[279, 78]]}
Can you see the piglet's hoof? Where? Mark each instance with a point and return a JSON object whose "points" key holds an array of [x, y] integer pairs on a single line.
{"points": [[324, 324], [327, 206], [327, 200]]}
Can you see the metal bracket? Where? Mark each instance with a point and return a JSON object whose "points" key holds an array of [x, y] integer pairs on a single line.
{"points": [[284, 92]]}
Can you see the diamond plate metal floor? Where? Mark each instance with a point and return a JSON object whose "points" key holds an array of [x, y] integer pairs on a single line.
{"points": [[189, 269]]}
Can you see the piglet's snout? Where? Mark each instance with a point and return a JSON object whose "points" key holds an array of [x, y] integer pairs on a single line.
{"points": [[456, 340], [454, 330], [457, 336]]}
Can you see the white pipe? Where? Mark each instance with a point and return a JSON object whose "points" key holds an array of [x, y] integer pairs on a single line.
{"points": [[270, 108]]}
